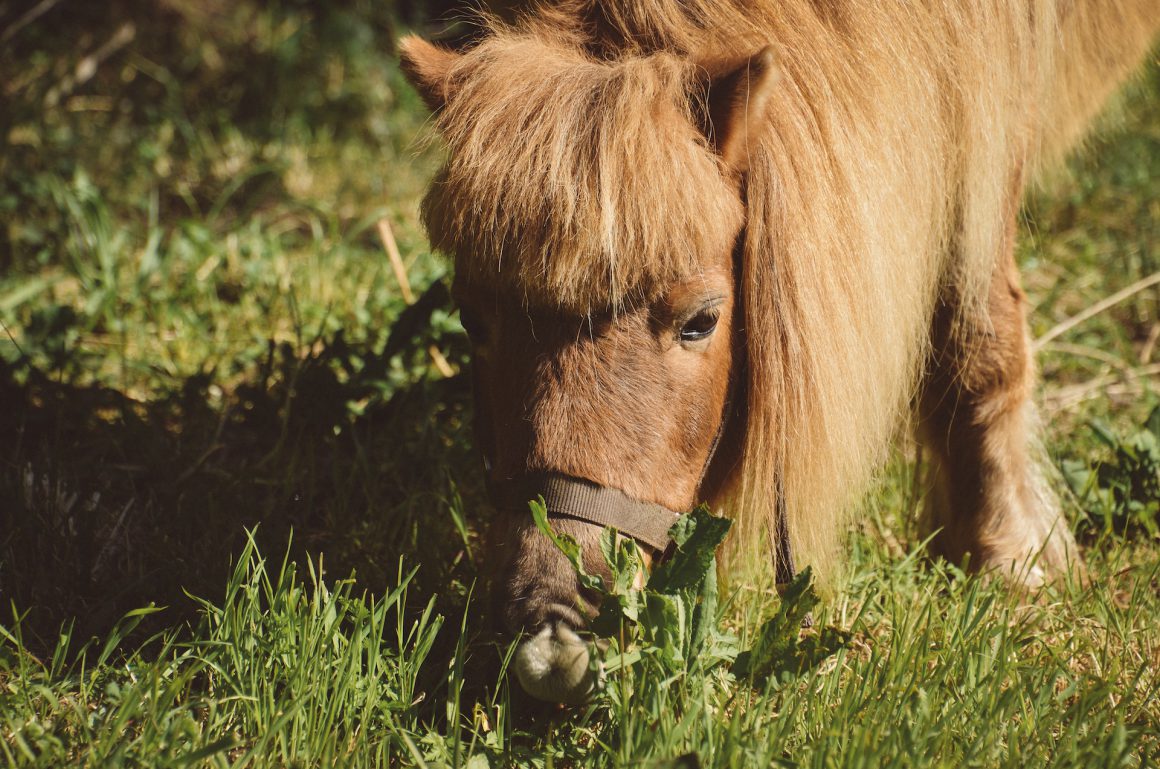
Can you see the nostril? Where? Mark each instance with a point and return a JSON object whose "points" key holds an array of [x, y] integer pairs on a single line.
{"points": [[562, 614], [524, 619]]}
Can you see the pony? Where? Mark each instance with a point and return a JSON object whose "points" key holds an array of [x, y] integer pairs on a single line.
{"points": [[720, 250]]}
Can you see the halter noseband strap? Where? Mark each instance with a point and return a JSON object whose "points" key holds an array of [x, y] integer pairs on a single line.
{"points": [[646, 522], [568, 497]]}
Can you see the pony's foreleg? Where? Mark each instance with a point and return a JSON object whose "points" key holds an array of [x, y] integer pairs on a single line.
{"points": [[990, 497]]}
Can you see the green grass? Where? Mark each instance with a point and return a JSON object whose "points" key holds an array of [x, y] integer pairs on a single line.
{"points": [[289, 671], [202, 335]]}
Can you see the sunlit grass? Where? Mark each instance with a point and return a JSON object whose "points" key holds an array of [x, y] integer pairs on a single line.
{"points": [[285, 669], [196, 309]]}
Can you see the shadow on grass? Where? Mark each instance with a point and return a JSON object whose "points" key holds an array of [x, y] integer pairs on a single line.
{"points": [[108, 504]]}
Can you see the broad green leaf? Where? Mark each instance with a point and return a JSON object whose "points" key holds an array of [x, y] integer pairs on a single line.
{"points": [[665, 624], [704, 612], [696, 536], [779, 648]]}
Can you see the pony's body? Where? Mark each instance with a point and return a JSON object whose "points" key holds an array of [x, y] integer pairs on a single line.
{"points": [[601, 155]]}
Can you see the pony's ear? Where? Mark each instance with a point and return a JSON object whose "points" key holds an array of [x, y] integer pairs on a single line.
{"points": [[428, 68], [737, 107]]}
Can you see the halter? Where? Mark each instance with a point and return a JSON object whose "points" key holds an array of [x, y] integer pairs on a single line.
{"points": [[582, 500], [646, 522], [579, 499]]}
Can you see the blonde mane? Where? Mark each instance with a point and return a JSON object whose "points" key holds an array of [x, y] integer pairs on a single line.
{"points": [[584, 182], [576, 171]]}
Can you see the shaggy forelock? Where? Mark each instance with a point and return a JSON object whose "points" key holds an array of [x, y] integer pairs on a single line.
{"points": [[577, 181]]}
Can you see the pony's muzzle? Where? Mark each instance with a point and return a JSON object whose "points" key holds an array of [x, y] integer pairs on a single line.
{"points": [[538, 592], [549, 610], [555, 665]]}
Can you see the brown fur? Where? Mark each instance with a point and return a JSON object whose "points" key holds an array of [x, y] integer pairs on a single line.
{"points": [[990, 498], [876, 192]]}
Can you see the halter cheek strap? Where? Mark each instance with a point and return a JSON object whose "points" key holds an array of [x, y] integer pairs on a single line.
{"points": [[785, 570]]}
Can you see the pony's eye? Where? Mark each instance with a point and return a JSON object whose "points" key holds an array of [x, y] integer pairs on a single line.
{"points": [[472, 324], [701, 325]]}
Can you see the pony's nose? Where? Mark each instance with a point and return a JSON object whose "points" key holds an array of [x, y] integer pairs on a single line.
{"points": [[555, 665]]}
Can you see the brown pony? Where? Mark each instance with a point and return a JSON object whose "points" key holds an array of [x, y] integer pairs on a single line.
{"points": [[715, 249]]}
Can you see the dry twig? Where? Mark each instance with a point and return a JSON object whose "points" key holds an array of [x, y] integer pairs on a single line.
{"points": [[1129, 382], [31, 15], [1149, 344], [1093, 353], [87, 67], [387, 236], [1097, 308]]}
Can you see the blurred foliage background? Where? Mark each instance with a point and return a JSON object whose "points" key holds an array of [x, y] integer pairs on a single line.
{"points": [[196, 302]]}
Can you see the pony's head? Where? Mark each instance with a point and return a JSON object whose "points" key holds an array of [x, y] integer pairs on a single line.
{"points": [[594, 209]]}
